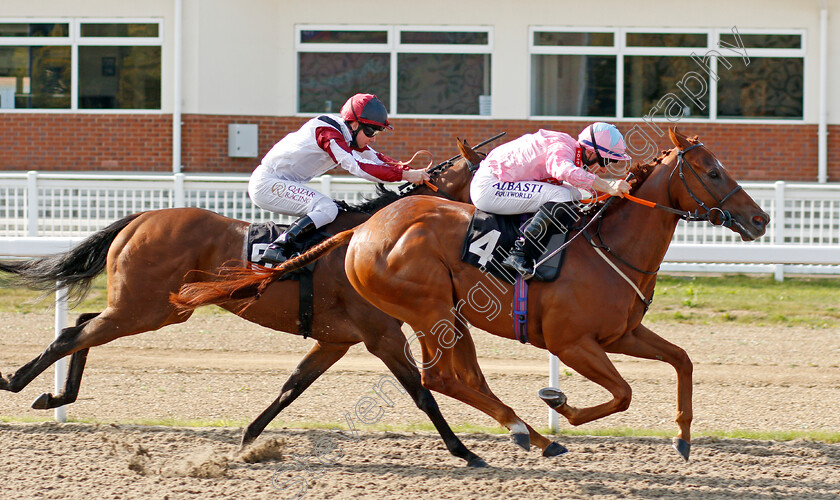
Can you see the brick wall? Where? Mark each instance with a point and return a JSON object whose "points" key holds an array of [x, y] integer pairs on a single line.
{"points": [[125, 142], [85, 142]]}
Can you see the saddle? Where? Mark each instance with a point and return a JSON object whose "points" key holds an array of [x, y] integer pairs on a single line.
{"points": [[490, 238], [260, 235]]}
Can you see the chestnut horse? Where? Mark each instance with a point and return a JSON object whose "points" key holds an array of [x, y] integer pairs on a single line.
{"points": [[406, 260], [149, 255]]}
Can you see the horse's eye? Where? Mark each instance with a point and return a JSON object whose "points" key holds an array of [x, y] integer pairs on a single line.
{"points": [[713, 174]]}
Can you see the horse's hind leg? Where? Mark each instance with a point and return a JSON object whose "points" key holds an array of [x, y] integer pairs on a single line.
{"points": [[391, 350], [643, 343], [447, 368], [111, 324], [60, 347], [469, 372], [316, 362], [73, 382]]}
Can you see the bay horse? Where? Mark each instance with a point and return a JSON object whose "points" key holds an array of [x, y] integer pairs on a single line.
{"points": [[406, 260], [150, 255]]}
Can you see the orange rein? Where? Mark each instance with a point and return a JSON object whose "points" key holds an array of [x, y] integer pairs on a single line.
{"points": [[630, 197], [404, 165]]}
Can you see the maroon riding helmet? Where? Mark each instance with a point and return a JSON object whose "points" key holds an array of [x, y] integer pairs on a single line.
{"points": [[366, 109]]}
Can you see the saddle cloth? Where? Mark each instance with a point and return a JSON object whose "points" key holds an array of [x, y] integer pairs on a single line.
{"points": [[262, 234], [490, 238]]}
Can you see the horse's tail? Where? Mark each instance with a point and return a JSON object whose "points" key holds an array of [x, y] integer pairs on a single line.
{"points": [[74, 269], [238, 283]]}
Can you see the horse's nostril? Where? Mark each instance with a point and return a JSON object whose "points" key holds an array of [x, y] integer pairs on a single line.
{"points": [[759, 220]]}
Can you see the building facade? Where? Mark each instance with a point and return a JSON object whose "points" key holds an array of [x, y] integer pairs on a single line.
{"points": [[155, 86]]}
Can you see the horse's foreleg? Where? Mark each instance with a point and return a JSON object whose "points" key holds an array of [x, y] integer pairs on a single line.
{"points": [[391, 350], [643, 343], [73, 382], [316, 362], [589, 359]]}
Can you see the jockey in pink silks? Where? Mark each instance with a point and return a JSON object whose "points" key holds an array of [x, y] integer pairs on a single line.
{"points": [[322, 143], [544, 172]]}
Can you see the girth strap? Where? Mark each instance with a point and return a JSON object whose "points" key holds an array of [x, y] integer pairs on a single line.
{"points": [[520, 309], [305, 304]]}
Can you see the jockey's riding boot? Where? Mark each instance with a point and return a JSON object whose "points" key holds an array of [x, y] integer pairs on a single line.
{"points": [[549, 219], [287, 244]]}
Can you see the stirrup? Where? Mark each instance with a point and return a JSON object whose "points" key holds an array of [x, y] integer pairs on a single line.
{"points": [[273, 255], [519, 264]]}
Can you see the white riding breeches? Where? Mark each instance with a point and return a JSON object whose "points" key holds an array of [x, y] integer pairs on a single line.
{"points": [[275, 194], [491, 195]]}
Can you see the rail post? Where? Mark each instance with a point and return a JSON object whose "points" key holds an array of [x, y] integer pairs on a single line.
{"points": [[32, 202], [779, 225], [553, 381], [179, 194], [61, 364], [326, 185]]}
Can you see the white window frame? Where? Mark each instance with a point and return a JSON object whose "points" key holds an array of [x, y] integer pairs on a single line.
{"points": [[394, 47], [620, 49], [75, 40]]}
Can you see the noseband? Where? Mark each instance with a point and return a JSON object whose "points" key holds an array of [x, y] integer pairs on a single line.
{"points": [[725, 217]]}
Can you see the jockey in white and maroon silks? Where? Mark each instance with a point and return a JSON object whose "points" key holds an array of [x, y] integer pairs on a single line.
{"points": [[321, 144], [528, 175]]}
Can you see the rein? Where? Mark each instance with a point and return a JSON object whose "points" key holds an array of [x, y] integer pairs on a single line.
{"points": [[441, 167], [405, 165]]}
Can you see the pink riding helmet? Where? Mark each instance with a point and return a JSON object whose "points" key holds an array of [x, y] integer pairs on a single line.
{"points": [[607, 138]]}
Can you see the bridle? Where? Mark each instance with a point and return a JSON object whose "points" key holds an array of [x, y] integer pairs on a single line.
{"points": [[725, 217]]}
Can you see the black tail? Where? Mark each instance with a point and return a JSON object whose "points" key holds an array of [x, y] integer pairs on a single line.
{"points": [[75, 269]]}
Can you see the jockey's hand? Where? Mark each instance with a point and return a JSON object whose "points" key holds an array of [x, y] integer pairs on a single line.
{"points": [[415, 176], [615, 187]]}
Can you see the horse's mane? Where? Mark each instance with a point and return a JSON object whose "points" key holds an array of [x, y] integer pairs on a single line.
{"points": [[371, 204], [641, 171]]}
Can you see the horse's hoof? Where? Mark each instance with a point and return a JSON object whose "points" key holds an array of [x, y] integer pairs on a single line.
{"points": [[522, 440], [42, 402], [554, 449], [247, 439], [477, 462], [554, 398], [682, 446]]}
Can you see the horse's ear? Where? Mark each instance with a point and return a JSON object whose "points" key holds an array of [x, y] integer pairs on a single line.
{"points": [[468, 152], [678, 139]]}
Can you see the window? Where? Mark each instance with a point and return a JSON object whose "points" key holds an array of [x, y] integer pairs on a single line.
{"points": [[116, 64], [579, 82], [413, 70], [635, 73], [771, 86]]}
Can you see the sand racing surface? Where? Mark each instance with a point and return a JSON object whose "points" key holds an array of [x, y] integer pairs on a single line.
{"points": [[218, 368]]}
